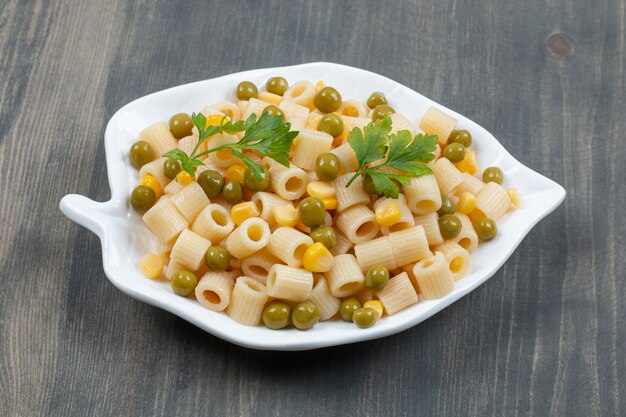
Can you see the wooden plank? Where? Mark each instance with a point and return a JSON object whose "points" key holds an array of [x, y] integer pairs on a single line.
{"points": [[545, 336]]}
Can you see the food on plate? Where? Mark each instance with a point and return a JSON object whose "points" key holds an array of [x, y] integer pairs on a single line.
{"points": [[294, 205]]}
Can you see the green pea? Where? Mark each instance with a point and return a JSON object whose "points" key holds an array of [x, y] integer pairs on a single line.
{"points": [[486, 229], [211, 182], [365, 317], [455, 152], [325, 235], [381, 111], [312, 211], [327, 167], [493, 174], [376, 99], [247, 90], [368, 184], [277, 85], [305, 315], [276, 315], [142, 198], [327, 100], [181, 125], [377, 277], [184, 283], [252, 183], [171, 168], [449, 226], [461, 136], [140, 154], [348, 307], [217, 258], [273, 111], [332, 124], [233, 191], [447, 207]]}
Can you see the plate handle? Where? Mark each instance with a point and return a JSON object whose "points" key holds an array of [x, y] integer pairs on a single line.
{"points": [[90, 214]]}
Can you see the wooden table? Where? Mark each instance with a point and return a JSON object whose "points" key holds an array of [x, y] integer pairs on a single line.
{"points": [[545, 336]]}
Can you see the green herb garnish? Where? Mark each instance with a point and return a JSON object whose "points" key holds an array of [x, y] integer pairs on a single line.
{"points": [[405, 154], [268, 136]]}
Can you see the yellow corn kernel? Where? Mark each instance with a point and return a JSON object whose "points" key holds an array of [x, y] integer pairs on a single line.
{"points": [[339, 140], [243, 211], [151, 265], [514, 196], [330, 203], [184, 178], [476, 215], [388, 213], [320, 189], [286, 215], [317, 258], [149, 181], [235, 172], [214, 120], [468, 163], [319, 85], [467, 203], [376, 305], [271, 98]]}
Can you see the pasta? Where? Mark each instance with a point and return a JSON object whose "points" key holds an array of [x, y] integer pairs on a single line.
{"points": [[349, 196], [251, 236], [436, 122], [433, 276], [190, 201], [165, 221], [422, 194], [358, 223], [289, 245], [324, 300], [247, 301], [457, 257], [214, 290], [159, 136], [345, 277], [398, 294], [309, 145], [258, 266], [287, 283], [297, 213], [189, 249]]}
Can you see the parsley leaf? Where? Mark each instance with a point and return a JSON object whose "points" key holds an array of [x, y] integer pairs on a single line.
{"points": [[268, 136], [406, 155]]}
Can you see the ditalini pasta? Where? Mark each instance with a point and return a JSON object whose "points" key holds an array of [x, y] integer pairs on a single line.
{"points": [[287, 205], [214, 290]]}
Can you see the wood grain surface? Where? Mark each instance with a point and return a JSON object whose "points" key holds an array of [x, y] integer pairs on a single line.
{"points": [[545, 336]]}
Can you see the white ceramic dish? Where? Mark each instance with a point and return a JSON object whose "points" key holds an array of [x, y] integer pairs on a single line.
{"points": [[125, 239]]}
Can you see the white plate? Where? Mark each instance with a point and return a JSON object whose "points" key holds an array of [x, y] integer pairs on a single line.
{"points": [[125, 239]]}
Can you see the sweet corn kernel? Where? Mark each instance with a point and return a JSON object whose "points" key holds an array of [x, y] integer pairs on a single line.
{"points": [[184, 178], [286, 215], [467, 203], [468, 163], [320, 189], [317, 258], [319, 85], [214, 120], [339, 140], [376, 305], [151, 265], [388, 213], [149, 181], [476, 215], [235, 172], [271, 98], [243, 211], [330, 203], [514, 196]]}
